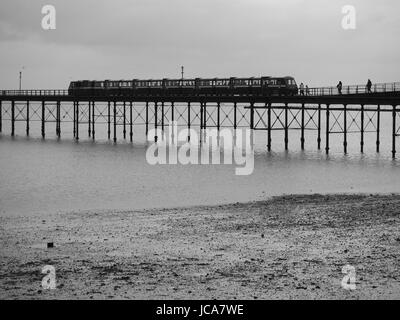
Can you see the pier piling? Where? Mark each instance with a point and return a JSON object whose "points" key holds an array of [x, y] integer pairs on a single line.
{"points": [[27, 118], [115, 121], [43, 119], [345, 128], [302, 140], [93, 120], [124, 120], [269, 137], [394, 133], [327, 130], [89, 115], [109, 120], [319, 128], [147, 118], [77, 120], [362, 129], [130, 121], [1, 116], [378, 129], [188, 120], [286, 127], [12, 118], [156, 121]]}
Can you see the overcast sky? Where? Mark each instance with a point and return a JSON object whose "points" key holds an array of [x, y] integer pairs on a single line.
{"points": [[126, 39]]}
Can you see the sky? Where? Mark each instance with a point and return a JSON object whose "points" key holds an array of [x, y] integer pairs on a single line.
{"points": [[150, 39]]}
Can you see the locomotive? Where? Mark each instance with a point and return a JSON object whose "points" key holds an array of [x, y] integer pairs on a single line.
{"points": [[263, 86]]}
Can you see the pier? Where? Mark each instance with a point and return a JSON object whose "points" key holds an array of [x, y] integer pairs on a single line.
{"points": [[354, 111]]}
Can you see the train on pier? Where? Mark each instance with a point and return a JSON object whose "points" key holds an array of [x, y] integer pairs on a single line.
{"points": [[262, 86]]}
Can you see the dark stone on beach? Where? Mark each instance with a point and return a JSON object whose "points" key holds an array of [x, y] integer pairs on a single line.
{"points": [[262, 236], [50, 245]]}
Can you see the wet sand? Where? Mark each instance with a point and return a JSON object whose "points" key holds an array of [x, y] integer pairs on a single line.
{"points": [[290, 247]]}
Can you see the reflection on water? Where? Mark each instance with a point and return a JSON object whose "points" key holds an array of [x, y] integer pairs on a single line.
{"points": [[59, 176]]}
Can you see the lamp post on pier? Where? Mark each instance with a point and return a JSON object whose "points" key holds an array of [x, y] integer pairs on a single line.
{"points": [[20, 78]]}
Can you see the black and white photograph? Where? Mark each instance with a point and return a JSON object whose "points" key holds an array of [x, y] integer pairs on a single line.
{"points": [[199, 150]]}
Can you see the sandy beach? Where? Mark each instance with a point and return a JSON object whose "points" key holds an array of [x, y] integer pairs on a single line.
{"points": [[289, 247]]}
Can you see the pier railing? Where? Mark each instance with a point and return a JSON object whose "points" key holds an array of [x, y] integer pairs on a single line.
{"points": [[354, 89], [61, 92]]}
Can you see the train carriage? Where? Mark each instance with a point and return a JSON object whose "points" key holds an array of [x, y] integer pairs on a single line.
{"points": [[263, 86]]}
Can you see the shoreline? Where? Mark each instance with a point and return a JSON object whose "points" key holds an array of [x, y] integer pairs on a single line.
{"points": [[287, 247]]}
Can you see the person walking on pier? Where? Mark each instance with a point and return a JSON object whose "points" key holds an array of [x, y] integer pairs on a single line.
{"points": [[307, 90], [302, 89], [369, 86], [339, 87]]}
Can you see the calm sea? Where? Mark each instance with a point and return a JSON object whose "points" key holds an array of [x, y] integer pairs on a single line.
{"points": [[55, 176]]}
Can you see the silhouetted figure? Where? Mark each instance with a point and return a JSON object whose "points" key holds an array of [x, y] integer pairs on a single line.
{"points": [[307, 90], [302, 89], [339, 87], [369, 86]]}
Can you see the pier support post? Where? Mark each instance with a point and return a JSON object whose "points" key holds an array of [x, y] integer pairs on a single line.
{"points": [[147, 119], [218, 116], [362, 129], [319, 128], [57, 119], [109, 120], [172, 120], [201, 122], [27, 118], [205, 121], [131, 121], [234, 123], [77, 120], [345, 128], [43, 119], [162, 116], [252, 116], [58, 123], [235, 116], [1, 116], [89, 118], [12, 118], [189, 121], [93, 119], [205, 116], [302, 140], [156, 120], [378, 129], [115, 121], [124, 116], [269, 138], [74, 119], [327, 130], [394, 133], [286, 128]]}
